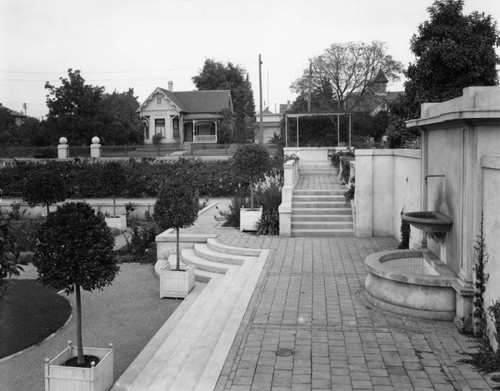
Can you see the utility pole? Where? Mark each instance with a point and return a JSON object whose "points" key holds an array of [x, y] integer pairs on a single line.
{"points": [[261, 131], [310, 87]]}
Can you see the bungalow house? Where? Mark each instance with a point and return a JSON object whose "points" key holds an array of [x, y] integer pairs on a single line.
{"points": [[19, 118], [185, 116], [376, 98]]}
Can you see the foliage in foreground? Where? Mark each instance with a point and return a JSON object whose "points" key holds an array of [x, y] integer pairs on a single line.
{"points": [[75, 251]]}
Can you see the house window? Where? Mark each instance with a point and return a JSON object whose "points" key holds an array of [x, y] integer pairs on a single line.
{"points": [[160, 126], [158, 101], [146, 126], [175, 124]]}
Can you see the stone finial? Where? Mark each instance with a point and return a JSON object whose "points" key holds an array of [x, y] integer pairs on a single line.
{"points": [[95, 140], [63, 140]]}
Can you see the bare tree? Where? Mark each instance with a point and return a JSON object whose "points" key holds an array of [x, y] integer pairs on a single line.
{"points": [[344, 71]]}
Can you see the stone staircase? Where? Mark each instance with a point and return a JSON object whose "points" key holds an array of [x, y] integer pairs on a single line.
{"points": [[190, 349], [318, 203]]}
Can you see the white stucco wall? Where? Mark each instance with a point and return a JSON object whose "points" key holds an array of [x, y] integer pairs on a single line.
{"points": [[387, 180]]}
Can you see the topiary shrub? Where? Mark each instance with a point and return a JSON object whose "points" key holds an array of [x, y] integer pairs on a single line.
{"points": [[113, 181], [176, 207], [44, 187], [251, 162], [75, 251], [9, 253]]}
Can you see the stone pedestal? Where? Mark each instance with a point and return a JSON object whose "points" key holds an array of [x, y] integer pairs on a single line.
{"points": [[95, 148], [63, 148]]}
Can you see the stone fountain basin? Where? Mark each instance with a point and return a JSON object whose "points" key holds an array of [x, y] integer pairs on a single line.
{"points": [[432, 222]]}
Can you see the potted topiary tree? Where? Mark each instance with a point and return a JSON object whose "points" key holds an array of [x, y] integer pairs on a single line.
{"points": [[176, 207], [251, 162], [113, 182], [75, 251], [44, 187]]}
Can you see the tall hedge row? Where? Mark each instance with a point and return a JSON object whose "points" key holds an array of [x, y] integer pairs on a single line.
{"points": [[144, 178]]}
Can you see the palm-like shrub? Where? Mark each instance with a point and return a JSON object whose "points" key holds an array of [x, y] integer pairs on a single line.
{"points": [[176, 207], [75, 251]]}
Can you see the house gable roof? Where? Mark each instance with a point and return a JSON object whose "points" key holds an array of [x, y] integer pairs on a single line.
{"points": [[204, 101]]}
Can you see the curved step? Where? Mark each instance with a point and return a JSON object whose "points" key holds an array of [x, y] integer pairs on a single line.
{"points": [[223, 248], [189, 255], [203, 251]]}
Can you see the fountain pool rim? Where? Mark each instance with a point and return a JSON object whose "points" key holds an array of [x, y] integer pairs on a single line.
{"points": [[418, 295]]}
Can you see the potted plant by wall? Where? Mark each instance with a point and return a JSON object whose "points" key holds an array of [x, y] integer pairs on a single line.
{"points": [[75, 251], [176, 207], [251, 162], [113, 182]]}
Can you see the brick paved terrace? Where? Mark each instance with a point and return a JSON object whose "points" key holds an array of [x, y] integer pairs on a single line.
{"points": [[310, 299]]}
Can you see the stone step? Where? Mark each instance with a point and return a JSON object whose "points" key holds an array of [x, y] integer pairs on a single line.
{"points": [[190, 349], [189, 257], [317, 173], [178, 350], [296, 211], [318, 204], [322, 225], [332, 217], [318, 198], [322, 232], [337, 190], [222, 319], [217, 246], [205, 252]]}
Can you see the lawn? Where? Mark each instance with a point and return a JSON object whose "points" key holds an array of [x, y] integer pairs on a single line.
{"points": [[30, 313]]}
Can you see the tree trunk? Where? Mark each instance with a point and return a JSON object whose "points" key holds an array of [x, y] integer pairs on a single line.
{"points": [[79, 339], [251, 197], [178, 262], [48, 208], [114, 207]]}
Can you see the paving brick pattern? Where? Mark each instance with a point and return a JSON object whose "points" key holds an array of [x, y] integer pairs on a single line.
{"points": [[310, 299]]}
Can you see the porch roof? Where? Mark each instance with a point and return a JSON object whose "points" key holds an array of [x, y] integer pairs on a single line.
{"points": [[203, 116]]}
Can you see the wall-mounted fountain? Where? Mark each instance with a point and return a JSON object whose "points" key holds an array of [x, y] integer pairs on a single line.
{"points": [[460, 147]]}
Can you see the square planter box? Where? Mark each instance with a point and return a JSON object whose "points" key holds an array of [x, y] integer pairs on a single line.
{"points": [[249, 219], [61, 378], [119, 222], [176, 283]]}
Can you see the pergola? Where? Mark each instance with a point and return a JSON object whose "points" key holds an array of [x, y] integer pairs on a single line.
{"points": [[298, 115]]}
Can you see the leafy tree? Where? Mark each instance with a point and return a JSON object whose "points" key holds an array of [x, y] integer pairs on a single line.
{"points": [[452, 51], [176, 207], [44, 187], [7, 126], [9, 253], [252, 162], [123, 124], [217, 76], [113, 181], [342, 73], [75, 251], [80, 111]]}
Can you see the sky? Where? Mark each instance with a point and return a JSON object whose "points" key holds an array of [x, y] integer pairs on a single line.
{"points": [[143, 44]]}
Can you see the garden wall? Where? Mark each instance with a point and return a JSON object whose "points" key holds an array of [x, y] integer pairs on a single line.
{"points": [[387, 181]]}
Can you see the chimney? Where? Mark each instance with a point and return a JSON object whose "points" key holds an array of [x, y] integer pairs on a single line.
{"points": [[171, 86], [288, 105]]}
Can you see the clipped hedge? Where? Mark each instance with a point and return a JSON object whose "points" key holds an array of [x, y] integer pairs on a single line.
{"points": [[143, 178]]}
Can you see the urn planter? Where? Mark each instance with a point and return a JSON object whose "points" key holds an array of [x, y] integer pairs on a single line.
{"points": [[249, 219], [59, 377], [119, 222], [176, 283]]}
